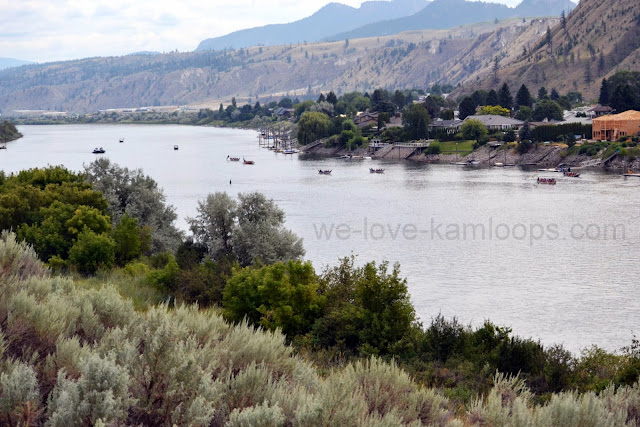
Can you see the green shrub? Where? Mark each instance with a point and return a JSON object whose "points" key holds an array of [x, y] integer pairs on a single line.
{"points": [[92, 251]]}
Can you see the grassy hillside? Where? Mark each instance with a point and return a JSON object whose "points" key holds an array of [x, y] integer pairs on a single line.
{"points": [[409, 60], [598, 38], [83, 355]]}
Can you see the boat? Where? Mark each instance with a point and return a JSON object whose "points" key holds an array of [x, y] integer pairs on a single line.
{"points": [[233, 159], [550, 181], [175, 147], [3, 147], [498, 164], [98, 150], [631, 173], [467, 163], [324, 172], [121, 139], [572, 174], [290, 151], [247, 162], [372, 170]]}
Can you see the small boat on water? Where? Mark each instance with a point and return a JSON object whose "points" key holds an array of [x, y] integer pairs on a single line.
{"points": [[550, 181], [121, 139], [175, 147], [247, 162], [498, 164], [3, 147], [372, 170], [324, 172], [631, 173], [572, 174], [98, 150], [290, 151], [233, 159]]}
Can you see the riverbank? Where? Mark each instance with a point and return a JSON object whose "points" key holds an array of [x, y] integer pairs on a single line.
{"points": [[8, 132], [541, 156]]}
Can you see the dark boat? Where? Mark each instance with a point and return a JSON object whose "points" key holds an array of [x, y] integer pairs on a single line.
{"points": [[175, 147], [550, 181], [121, 139], [371, 170], [247, 162], [572, 174], [233, 159], [327, 172], [98, 150]]}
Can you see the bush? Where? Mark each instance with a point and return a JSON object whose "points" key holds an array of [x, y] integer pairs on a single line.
{"points": [[433, 148], [91, 252]]}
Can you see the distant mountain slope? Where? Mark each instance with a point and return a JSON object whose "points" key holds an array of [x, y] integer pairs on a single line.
{"points": [[451, 13], [331, 19], [599, 38], [12, 62], [414, 59]]}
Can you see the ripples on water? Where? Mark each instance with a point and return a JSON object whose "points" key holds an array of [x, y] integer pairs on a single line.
{"points": [[576, 292]]}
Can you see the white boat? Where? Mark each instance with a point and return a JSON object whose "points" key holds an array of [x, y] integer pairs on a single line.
{"points": [[498, 164]]}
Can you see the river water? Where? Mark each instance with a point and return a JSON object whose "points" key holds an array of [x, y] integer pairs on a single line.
{"points": [[556, 263]]}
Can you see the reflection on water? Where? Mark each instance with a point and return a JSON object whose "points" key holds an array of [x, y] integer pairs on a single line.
{"points": [[551, 263]]}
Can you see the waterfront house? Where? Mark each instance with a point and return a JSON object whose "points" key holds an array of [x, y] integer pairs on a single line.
{"points": [[615, 126], [365, 119], [448, 126], [494, 122]]}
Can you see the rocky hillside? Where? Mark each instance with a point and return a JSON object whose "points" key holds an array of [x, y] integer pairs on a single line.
{"points": [[598, 38], [414, 59]]}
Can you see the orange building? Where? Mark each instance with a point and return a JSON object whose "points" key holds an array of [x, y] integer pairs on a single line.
{"points": [[616, 126]]}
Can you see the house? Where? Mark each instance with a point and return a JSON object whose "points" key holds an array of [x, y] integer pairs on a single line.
{"points": [[600, 110], [615, 126], [493, 122], [365, 119], [448, 126], [284, 113]]}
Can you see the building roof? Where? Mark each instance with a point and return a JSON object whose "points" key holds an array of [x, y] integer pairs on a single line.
{"points": [[601, 109], [495, 120], [445, 123], [627, 115]]}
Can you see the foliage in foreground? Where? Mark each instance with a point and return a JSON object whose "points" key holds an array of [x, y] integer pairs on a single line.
{"points": [[71, 356]]}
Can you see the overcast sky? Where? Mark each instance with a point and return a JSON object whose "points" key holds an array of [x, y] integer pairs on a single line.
{"points": [[49, 30]]}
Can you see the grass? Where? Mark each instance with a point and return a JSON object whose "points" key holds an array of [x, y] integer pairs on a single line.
{"points": [[130, 286], [449, 147]]}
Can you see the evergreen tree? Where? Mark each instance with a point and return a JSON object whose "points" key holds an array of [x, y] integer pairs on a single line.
{"points": [[332, 98], [604, 93], [523, 97], [563, 20], [554, 94], [542, 92], [321, 98], [505, 99], [492, 98], [467, 108]]}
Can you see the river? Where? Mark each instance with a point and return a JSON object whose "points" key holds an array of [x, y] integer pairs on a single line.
{"points": [[556, 263]]}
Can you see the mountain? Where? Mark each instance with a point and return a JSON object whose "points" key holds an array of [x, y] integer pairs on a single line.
{"points": [[12, 62], [451, 13], [599, 38], [414, 59], [331, 19]]}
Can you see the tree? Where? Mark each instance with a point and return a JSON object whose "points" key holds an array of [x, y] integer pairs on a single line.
{"points": [[92, 251], [504, 97], [549, 40], [542, 93], [525, 132], [321, 98], [524, 113], [588, 78], [604, 93], [250, 230], [547, 109], [398, 99], [474, 130], [494, 110], [496, 67], [492, 98], [415, 119], [563, 20], [312, 127], [131, 192], [283, 295], [523, 97], [554, 94], [285, 103], [332, 98], [368, 309], [381, 102], [467, 108]]}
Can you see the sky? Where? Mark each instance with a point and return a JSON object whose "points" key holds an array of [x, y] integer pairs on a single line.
{"points": [[51, 30]]}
